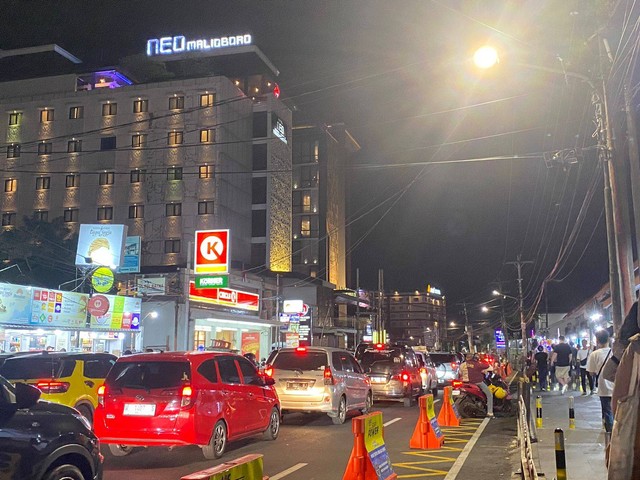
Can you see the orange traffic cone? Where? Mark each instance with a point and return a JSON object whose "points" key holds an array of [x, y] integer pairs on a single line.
{"points": [[427, 433], [448, 416], [369, 459]]}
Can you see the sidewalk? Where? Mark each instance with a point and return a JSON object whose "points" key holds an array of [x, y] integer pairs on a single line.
{"points": [[584, 445]]}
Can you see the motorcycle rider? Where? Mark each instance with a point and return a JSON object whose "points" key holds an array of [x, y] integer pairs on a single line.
{"points": [[473, 371]]}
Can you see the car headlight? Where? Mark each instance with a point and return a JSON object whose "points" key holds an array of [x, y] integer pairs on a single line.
{"points": [[84, 421]]}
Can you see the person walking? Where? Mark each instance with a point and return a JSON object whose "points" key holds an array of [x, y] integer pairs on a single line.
{"points": [[542, 364], [561, 358], [595, 363], [581, 358], [473, 371]]}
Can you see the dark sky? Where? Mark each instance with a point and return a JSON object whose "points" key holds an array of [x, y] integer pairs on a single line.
{"points": [[398, 75]]}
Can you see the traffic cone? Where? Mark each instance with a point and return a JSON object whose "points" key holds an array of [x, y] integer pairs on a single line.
{"points": [[448, 416], [427, 433], [360, 466]]}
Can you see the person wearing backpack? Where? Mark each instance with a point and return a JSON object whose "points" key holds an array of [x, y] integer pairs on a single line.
{"points": [[595, 363], [581, 358]]}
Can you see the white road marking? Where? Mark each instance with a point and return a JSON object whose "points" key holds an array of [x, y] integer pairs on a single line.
{"points": [[457, 466], [286, 472], [393, 420]]}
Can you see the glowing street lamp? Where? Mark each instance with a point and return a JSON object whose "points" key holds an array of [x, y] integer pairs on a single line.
{"points": [[486, 57]]}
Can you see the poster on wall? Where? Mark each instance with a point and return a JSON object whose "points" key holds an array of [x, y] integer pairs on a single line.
{"points": [[131, 257], [115, 312], [292, 340], [54, 308], [15, 304], [251, 343]]}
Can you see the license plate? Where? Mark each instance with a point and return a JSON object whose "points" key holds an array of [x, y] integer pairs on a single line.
{"points": [[296, 386], [378, 380], [139, 409], [455, 392]]}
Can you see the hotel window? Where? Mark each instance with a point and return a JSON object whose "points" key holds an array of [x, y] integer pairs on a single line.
{"points": [[305, 227], [136, 211], [207, 99], [306, 203], [72, 181], [172, 246], [11, 185], [173, 209], [8, 219], [140, 106], [46, 115], [41, 215], [176, 103], [174, 173], [207, 135], [258, 223], [71, 215], [14, 118], [258, 190], [175, 138], [106, 178], [108, 143], [139, 140], [43, 183], [45, 148], [109, 109], [205, 171], [105, 213], [76, 113], [74, 146], [13, 151], [205, 208], [137, 176]]}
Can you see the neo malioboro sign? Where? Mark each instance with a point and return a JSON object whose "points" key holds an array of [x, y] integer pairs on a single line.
{"points": [[180, 44]]}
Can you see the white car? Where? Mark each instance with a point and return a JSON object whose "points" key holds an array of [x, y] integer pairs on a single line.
{"points": [[428, 373]]}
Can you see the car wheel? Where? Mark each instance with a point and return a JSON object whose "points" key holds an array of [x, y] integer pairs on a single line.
{"points": [[340, 418], [218, 443], [86, 411], [368, 404], [118, 450], [64, 472], [271, 433]]}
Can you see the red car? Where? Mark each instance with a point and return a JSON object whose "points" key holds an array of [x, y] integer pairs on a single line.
{"points": [[185, 398]]}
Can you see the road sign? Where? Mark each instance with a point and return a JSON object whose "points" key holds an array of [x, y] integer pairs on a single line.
{"points": [[211, 251], [212, 281]]}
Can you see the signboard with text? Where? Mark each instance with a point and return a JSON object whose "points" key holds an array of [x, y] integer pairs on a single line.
{"points": [[374, 444], [115, 312], [212, 281], [15, 304], [211, 252], [54, 308], [225, 296], [100, 244], [131, 258]]}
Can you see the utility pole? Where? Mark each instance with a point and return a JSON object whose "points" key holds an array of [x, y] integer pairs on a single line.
{"points": [[523, 324], [467, 328], [504, 326], [357, 322], [380, 323]]}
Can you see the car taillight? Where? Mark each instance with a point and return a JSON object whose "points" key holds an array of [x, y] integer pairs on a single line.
{"points": [[328, 376], [454, 365], [50, 386], [101, 391], [423, 370], [186, 396], [301, 349], [268, 371], [379, 346], [456, 384], [404, 376]]}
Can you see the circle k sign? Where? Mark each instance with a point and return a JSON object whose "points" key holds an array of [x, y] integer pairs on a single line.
{"points": [[211, 252]]}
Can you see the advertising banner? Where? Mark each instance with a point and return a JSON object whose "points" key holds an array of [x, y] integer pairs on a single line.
{"points": [[374, 444], [115, 312], [100, 245], [131, 258], [54, 308], [225, 296], [15, 304], [151, 286], [251, 343]]}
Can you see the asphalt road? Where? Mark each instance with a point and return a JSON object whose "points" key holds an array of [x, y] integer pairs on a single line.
{"points": [[309, 447]]}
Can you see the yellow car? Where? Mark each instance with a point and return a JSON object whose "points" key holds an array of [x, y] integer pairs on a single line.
{"points": [[70, 379]]}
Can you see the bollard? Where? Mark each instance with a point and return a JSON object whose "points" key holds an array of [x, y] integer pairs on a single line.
{"points": [[561, 462], [572, 414], [539, 411]]}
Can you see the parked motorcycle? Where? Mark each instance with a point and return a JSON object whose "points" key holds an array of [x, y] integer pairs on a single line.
{"points": [[472, 402]]}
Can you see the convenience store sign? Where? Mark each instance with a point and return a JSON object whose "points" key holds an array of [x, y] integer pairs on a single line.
{"points": [[227, 297]]}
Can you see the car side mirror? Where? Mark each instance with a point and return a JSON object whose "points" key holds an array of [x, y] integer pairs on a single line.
{"points": [[269, 381], [26, 395]]}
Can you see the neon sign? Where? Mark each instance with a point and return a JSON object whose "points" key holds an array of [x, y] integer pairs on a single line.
{"points": [[180, 44]]}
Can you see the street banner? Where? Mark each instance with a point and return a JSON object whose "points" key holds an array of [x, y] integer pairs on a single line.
{"points": [[55, 308], [115, 312], [251, 343], [15, 304]]}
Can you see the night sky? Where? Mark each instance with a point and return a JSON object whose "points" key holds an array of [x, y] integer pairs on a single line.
{"points": [[398, 74]]}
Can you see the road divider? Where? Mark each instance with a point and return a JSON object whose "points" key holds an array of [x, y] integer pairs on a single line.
{"points": [[369, 459], [427, 433], [248, 467], [449, 415]]}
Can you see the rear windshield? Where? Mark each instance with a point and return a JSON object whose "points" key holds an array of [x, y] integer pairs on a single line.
{"points": [[300, 361], [149, 375], [381, 356], [36, 367], [440, 358]]}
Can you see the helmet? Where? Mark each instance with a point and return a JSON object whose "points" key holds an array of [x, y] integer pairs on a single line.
{"points": [[498, 392]]}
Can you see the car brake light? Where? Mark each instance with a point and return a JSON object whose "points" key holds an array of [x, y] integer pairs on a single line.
{"points": [[50, 386], [454, 365], [379, 346], [404, 376], [187, 396], [456, 384], [301, 349], [101, 391], [268, 371], [328, 376]]}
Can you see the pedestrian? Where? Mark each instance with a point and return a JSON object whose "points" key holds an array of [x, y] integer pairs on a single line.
{"points": [[473, 371], [595, 363], [581, 358], [542, 363], [561, 358], [574, 371]]}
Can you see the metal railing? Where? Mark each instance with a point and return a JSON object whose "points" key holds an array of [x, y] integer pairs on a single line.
{"points": [[528, 467]]}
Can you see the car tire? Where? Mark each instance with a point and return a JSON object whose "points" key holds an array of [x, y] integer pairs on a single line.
{"points": [[271, 433], [218, 443], [86, 411], [341, 417], [118, 450], [368, 404], [64, 472]]}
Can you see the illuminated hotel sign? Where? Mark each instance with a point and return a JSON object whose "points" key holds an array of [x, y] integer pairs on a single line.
{"points": [[279, 130], [435, 291], [180, 44]]}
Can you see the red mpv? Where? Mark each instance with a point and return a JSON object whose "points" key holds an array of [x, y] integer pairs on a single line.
{"points": [[184, 398]]}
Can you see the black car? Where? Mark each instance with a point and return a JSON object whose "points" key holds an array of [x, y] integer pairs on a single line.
{"points": [[42, 440]]}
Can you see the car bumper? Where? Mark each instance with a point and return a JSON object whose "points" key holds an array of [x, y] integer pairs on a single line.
{"points": [[300, 403]]}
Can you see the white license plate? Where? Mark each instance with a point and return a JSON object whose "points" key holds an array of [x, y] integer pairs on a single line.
{"points": [[296, 386], [139, 409], [378, 380], [455, 392]]}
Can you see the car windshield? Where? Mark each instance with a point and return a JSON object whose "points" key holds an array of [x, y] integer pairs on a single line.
{"points": [[370, 357], [441, 358], [36, 367], [300, 361], [149, 375]]}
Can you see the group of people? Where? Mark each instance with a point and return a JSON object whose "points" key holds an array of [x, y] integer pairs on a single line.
{"points": [[567, 364]]}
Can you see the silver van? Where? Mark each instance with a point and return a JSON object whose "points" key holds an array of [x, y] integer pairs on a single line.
{"points": [[320, 379]]}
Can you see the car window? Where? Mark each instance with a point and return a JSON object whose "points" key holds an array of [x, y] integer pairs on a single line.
{"points": [[355, 366], [388, 356], [98, 368], [250, 375], [308, 360], [442, 358], [338, 363], [228, 370], [208, 370], [36, 367], [149, 375], [7, 393]]}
